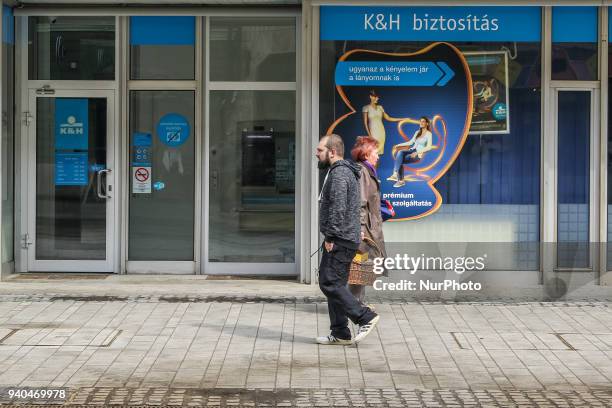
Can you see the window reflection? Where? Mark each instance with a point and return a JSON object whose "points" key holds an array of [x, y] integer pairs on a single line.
{"points": [[252, 49], [252, 176], [71, 48]]}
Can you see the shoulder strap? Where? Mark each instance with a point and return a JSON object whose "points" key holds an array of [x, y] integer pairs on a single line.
{"points": [[324, 182]]}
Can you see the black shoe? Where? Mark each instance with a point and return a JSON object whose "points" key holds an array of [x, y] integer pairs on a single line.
{"points": [[330, 339]]}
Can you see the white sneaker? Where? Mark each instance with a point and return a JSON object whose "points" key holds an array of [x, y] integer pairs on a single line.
{"points": [[366, 329], [333, 340], [393, 177]]}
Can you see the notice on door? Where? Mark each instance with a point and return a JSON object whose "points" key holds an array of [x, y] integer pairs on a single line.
{"points": [[71, 168], [141, 180]]}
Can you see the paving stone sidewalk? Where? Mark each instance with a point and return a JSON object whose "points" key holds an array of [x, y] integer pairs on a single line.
{"points": [[369, 397], [250, 343], [269, 346]]}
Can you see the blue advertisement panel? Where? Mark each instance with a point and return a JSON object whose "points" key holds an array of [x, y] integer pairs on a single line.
{"points": [[478, 24], [8, 25], [582, 20], [609, 25], [372, 73], [70, 168], [162, 30], [71, 124], [420, 117]]}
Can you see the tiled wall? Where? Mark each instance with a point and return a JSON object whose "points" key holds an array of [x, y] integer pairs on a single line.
{"points": [[508, 234], [573, 236]]}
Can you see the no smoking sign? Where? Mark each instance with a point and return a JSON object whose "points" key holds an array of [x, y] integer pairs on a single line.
{"points": [[141, 180], [141, 174]]}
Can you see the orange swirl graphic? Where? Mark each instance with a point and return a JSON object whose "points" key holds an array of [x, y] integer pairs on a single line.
{"points": [[441, 140], [437, 119]]}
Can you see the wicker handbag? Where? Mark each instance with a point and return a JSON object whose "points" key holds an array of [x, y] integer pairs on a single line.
{"points": [[362, 272]]}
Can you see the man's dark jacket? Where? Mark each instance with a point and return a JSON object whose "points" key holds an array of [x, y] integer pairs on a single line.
{"points": [[339, 205]]}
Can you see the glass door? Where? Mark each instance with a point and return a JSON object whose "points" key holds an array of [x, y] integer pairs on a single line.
{"points": [[576, 225], [72, 182]]}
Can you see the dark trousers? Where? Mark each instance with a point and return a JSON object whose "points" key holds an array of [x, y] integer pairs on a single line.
{"points": [[358, 291], [342, 305]]}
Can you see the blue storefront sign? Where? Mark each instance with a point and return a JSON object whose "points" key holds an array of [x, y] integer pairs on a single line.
{"points": [[479, 24], [173, 129], [583, 23], [162, 30], [8, 25], [71, 168], [609, 25], [71, 124]]}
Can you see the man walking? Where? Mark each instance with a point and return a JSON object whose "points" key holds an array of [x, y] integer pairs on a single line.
{"points": [[339, 204]]}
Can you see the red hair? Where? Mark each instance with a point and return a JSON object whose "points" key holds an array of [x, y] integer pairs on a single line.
{"points": [[362, 148]]}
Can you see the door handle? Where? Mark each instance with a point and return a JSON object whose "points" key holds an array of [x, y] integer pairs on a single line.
{"points": [[99, 184]]}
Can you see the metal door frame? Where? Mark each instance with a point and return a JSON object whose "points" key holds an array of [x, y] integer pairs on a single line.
{"points": [[594, 167], [256, 268], [109, 264]]}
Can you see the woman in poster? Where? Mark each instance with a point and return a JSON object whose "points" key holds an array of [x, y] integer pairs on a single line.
{"points": [[373, 115], [411, 151], [365, 152]]}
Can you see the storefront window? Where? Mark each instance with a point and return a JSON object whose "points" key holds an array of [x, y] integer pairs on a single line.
{"points": [[573, 180], [574, 48], [71, 48], [162, 48], [252, 141], [490, 194], [252, 176], [7, 128], [252, 49], [161, 208]]}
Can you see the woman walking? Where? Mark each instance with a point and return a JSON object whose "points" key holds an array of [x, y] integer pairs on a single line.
{"points": [[365, 153]]}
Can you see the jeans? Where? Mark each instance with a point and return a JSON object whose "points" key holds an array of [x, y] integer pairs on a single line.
{"points": [[342, 305], [403, 157], [358, 291]]}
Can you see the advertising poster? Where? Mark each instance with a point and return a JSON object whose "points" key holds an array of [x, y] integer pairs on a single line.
{"points": [[386, 69], [418, 106], [490, 90]]}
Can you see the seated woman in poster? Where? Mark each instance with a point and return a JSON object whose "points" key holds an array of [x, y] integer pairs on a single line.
{"points": [[411, 151], [373, 115]]}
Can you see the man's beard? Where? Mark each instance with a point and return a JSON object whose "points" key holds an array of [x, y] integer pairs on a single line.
{"points": [[324, 164]]}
